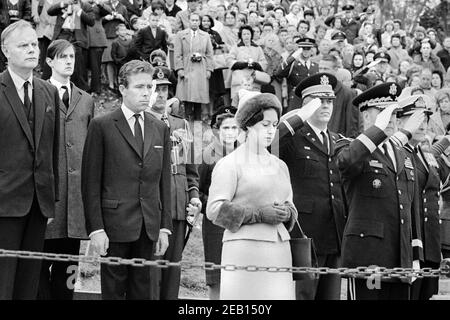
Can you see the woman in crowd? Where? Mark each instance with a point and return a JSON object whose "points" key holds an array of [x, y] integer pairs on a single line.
{"points": [[335, 24], [294, 15], [226, 132], [244, 58], [402, 73], [229, 31], [358, 62], [387, 34], [440, 119], [216, 82], [251, 198], [347, 56], [437, 79]]}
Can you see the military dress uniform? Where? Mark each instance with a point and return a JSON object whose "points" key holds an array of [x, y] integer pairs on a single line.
{"points": [[184, 186], [379, 183], [429, 174], [310, 156], [295, 71]]}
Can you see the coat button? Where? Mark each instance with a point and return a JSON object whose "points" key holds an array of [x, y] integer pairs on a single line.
{"points": [[425, 200], [331, 171], [140, 164], [331, 184], [362, 235], [423, 192], [329, 159], [399, 191], [332, 196], [308, 157], [401, 207], [425, 219], [402, 221], [425, 210], [440, 221]]}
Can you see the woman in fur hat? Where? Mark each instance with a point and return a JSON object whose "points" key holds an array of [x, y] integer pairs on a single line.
{"points": [[251, 198]]}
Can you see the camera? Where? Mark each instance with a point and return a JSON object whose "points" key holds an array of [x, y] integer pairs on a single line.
{"points": [[196, 57]]}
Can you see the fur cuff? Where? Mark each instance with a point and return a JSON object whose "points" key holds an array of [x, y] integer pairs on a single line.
{"points": [[231, 216]]}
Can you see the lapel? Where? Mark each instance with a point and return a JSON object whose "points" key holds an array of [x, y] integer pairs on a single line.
{"points": [[399, 157], [311, 136], [332, 141], [148, 132], [39, 102], [74, 99], [62, 107], [124, 128], [16, 104]]}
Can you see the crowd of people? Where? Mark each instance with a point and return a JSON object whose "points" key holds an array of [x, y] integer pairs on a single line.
{"points": [[323, 119]]}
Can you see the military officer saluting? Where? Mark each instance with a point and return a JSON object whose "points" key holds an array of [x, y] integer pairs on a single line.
{"points": [[380, 187], [296, 68], [308, 148], [184, 190], [430, 171]]}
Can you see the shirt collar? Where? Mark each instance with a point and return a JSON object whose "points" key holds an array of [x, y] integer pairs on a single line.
{"points": [[316, 130], [128, 113], [58, 84], [156, 114], [18, 81]]}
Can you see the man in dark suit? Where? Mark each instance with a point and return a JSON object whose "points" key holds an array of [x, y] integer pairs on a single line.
{"points": [[73, 17], [308, 148], [125, 185], [29, 138], [65, 231], [184, 186], [150, 38], [380, 188], [296, 68], [171, 9]]}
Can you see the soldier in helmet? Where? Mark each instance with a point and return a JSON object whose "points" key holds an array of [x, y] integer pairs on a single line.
{"points": [[185, 195], [380, 188]]}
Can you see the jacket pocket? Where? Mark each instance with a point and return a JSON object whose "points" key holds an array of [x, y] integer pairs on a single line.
{"points": [[365, 228], [306, 206], [309, 164], [110, 203], [374, 183]]}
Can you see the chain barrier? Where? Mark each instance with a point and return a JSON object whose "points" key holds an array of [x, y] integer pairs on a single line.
{"points": [[359, 272]]}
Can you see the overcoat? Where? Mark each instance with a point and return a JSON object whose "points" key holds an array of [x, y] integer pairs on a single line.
{"points": [[194, 87]]}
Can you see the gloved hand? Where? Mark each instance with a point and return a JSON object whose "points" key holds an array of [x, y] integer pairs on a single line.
{"points": [[255, 66], [239, 65], [308, 110], [415, 121], [270, 214], [384, 117], [293, 214]]}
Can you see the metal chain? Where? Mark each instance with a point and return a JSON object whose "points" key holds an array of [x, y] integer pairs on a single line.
{"points": [[359, 272]]}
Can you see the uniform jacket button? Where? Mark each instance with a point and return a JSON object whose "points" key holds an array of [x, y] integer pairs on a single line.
{"points": [[401, 207], [402, 221], [426, 219], [362, 235]]}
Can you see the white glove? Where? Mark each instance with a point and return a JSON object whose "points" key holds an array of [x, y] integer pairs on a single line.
{"points": [[415, 121], [297, 53], [308, 109], [384, 117]]}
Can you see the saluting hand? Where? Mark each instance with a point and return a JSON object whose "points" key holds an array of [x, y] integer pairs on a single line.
{"points": [[308, 110], [384, 117], [414, 122]]}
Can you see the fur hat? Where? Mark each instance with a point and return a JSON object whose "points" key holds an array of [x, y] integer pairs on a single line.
{"points": [[251, 102]]}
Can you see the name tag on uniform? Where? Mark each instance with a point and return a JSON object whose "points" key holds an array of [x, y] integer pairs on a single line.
{"points": [[375, 164], [408, 163], [307, 148]]}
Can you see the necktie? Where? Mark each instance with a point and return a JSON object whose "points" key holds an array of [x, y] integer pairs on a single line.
{"points": [[165, 119], [26, 98], [385, 148], [65, 98], [325, 141], [138, 134]]}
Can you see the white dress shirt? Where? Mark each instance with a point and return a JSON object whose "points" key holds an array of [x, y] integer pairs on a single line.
{"points": [[59, 86], [19, 82], [129, 116]]}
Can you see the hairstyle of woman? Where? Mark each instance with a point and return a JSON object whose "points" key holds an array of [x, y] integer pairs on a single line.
{"points": [[441, 77], [245, 27]]}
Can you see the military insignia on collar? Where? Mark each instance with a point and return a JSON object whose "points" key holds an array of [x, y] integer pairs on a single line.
{"points": [[408, 163], [160, 74], [393, 89], [376, 184], [324, 80]]}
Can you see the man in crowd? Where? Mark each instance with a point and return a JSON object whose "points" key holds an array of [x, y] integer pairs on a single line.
{"points": [[125, 185], [29, 120], [184, 186], [308, 148], [64, 232], [380, 189]]}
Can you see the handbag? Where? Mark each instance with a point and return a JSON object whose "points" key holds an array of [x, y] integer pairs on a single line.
{"points": [[261, 77], [303, 254], [220, 61]]}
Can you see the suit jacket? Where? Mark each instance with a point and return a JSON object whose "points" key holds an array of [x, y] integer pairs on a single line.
{"points": [[316, 183], [110, 25], [29, 160], [382, 201], [23, 8], [294, 71], [145, 43], [173, 12], [132, 8], [69, 219], [87, 18], [122, 189]]}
